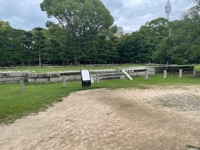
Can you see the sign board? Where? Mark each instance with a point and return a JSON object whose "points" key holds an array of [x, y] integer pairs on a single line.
{"points": [[86, 79], [85, 75]]}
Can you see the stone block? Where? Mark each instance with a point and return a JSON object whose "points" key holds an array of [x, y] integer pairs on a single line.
{"points": [[151, 71], [67, 78], [64, 81], [53, 75], [2, 75], [31, 80], [32, 75], [42, 75], [132, 74], [42, 80], [146, 75], [140, 73], [77, 77], [6, 79], [18, 78], [122, 77], [37, 75], [17, 74], [165, 74], [194, 72], [71, 78], [180, 73], [9, 82], [56, 79]]}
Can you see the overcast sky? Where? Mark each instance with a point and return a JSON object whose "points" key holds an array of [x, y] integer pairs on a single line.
{"points": [[129, 14]]}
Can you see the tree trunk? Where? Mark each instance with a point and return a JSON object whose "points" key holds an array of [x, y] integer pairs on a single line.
{"points": [[29, 58], [40, 63]]}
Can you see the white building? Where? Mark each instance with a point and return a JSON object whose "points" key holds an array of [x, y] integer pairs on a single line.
{"points": [[119, 32]]}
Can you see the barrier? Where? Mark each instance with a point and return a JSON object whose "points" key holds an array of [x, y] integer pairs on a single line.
{"points": [[97, 75]]}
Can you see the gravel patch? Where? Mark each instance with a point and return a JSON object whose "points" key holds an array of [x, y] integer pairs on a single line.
{"points": [[181, 102]]}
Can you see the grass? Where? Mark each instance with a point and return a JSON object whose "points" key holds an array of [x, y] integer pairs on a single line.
{"points": [[38, 97], [14, 104], [197, 67], [45, 69], [139, 82], [65, 68]]}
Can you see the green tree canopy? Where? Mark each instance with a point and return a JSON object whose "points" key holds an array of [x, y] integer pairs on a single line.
{"points": [[81, 19]]}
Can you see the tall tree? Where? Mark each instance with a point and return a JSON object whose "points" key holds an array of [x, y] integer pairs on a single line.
{"points": [[28, 46], [191, 34], [39, 43], [5, 28], [14, 47], [81, 20], [59, 48], [153, 33]]}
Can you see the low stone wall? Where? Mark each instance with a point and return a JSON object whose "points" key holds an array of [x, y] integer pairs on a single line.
{"points": [[52, 77], [106, 74], [44, 78], [174, 68], [13, 77]]}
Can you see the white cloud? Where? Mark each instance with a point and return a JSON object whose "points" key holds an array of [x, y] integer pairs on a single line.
{"points": [[136, 3], [24, 14], [130, 14], [134, 13]]}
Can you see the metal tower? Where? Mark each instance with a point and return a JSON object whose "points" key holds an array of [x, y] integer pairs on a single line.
{"points": [[168, 9]]}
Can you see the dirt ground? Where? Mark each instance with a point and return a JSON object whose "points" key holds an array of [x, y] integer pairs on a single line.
{"points": [[155, 118]]}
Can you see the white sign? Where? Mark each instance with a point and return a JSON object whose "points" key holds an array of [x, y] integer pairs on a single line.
{"points": [[85, 75]]}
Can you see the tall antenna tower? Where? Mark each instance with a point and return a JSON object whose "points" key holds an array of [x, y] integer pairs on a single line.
{"points": [[168, 9]]}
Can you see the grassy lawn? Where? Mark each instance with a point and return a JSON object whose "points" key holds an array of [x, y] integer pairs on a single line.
{"points": [[14, 104], [139, 82], [53, 69], [197, 67], [38, 97], [45, 69]]}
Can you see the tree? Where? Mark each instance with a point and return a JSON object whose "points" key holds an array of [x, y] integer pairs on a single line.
{"points": [[162, 53], [39, 42], [189, 39], [59, 48], [102, 48], [153, 32], [28, 45], [133, 49], [14, 47], [5, 28], [80, 19]]}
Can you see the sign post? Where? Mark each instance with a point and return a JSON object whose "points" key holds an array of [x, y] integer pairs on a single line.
{"points": [[21, 82], [64, 81]]}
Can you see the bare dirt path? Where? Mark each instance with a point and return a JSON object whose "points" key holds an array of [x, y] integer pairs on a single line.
{"points": [[157, 118]]}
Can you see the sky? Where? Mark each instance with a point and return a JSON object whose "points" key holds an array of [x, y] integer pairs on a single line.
{"points": [[129, 14]]}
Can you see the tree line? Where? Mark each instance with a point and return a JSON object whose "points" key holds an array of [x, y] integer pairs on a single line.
{"points": [[85, 35]]}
